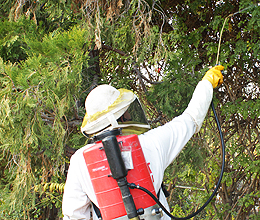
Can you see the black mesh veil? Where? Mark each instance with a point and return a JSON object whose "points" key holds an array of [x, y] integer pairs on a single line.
{"points": [[134, 114]]}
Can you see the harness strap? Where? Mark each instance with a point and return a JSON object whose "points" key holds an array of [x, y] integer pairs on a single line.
{"points": [[97, 211], [165, 192]]}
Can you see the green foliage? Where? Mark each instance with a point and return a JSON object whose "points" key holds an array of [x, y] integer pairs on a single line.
{"points": [[54, 52], [12, 45], [37, 101], [172, 96]]}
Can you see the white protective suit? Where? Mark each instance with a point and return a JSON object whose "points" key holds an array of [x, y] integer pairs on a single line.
{"points": [[160, 147]]}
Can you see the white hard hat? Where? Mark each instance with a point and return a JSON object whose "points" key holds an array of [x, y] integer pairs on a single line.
{"points": [[104, 105]]}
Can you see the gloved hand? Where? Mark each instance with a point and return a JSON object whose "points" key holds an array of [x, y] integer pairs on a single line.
{"points": [[214, 75]]}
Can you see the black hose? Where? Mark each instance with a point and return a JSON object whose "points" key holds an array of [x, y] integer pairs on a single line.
{"points": [[132, 185]]}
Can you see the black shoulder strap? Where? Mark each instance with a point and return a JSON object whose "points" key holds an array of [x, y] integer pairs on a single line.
{"points": [[97, 211], [165, 192]]}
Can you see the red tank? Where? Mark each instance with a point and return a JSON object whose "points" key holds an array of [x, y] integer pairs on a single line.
{"points": [[105, 186]]}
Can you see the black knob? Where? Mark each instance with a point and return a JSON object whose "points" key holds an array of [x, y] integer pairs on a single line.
{"points": [[140, 211]]}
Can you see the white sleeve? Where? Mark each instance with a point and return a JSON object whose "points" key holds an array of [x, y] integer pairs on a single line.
{"points": [[163, 144], [200, 102], [75, 204]]}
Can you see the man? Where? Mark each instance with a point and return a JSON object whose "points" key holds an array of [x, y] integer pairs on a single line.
{"points": [[109, 108]]}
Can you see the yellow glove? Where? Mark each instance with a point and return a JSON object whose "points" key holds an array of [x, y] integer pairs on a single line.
{"points": [[214, 75]]}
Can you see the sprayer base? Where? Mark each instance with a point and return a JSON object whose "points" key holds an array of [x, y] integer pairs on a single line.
{"points": [[148, 214]]}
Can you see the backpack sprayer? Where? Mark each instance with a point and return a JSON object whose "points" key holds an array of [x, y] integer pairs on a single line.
{"points": [[110, 177], [115, 183]]}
